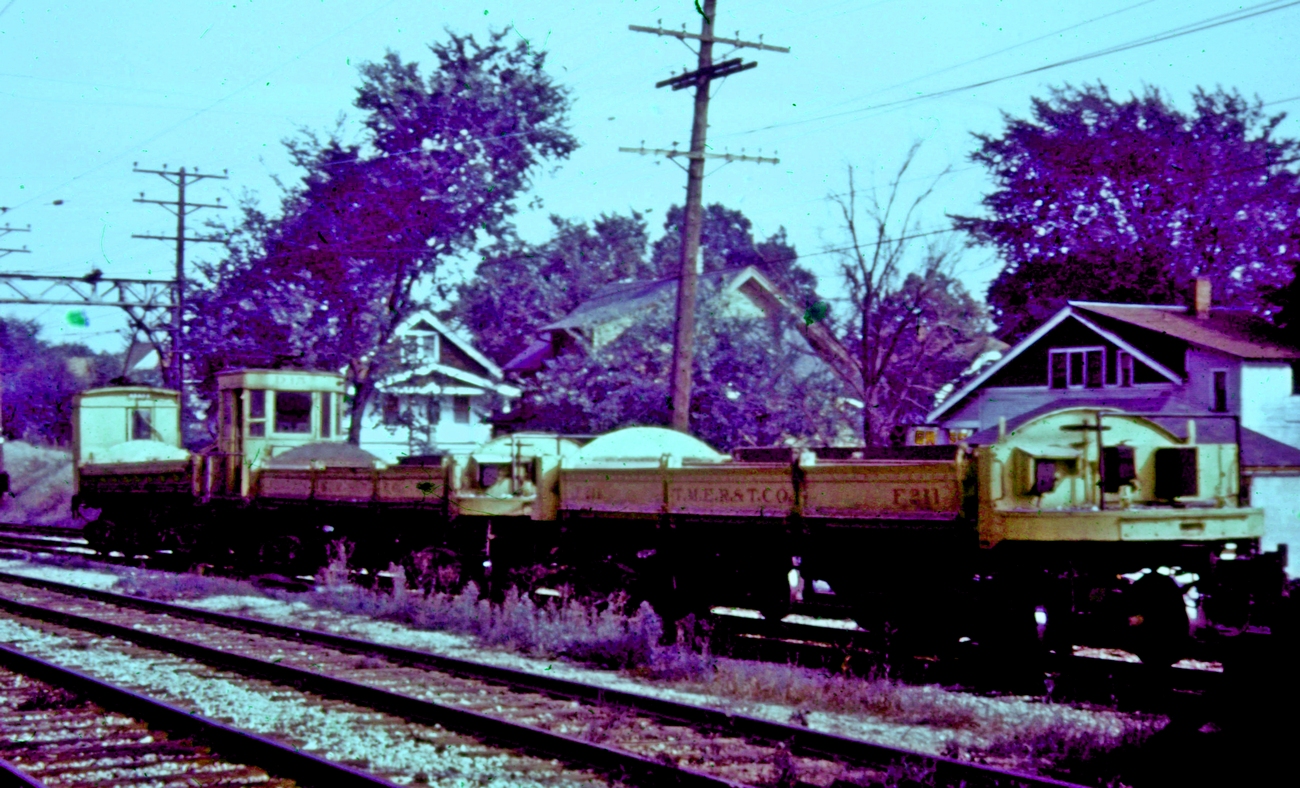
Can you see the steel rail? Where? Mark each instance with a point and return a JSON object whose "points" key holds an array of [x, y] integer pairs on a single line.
{"points": [[799, 740], [13, 777], [228, 741], [627, 766]]}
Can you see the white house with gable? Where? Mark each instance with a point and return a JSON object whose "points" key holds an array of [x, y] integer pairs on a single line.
{"points": [[441, 400]]}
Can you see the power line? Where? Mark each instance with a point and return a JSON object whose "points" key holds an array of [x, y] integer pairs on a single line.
{"points": [[995, 53], [1168, 35]]}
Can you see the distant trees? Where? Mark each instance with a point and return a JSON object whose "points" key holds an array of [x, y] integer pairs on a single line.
{"points": [[327, 282], [911, 324], [40, 380], [1128, 199], [757, 382]]}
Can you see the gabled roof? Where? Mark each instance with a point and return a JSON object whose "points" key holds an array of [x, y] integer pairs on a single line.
{"points": [[407, 380], [1067, 312], [617, 301], [1235, 332], [432, 323]]}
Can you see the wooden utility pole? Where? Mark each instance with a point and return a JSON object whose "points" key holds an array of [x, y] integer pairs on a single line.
{"points": [[706, 71], [180, 178]]}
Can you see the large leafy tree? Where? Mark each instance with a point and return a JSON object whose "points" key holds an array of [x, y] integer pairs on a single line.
{"points": [[41, 379], [727, 241], [756, 383], [327, 282], [519, 287], [1127, 200]]}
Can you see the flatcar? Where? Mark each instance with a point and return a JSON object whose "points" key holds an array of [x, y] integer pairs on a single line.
{"points": [[1082, 525]]}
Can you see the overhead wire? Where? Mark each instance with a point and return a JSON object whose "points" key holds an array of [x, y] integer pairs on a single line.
{"points": [[202, 110], [1168, 35]]}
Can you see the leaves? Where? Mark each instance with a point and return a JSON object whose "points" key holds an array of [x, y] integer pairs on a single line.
{"points": [[1128, 200], [327, 282]]}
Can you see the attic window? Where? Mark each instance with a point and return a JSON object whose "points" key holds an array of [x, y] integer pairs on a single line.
{"points": [[1076, 368], [460, 409]]}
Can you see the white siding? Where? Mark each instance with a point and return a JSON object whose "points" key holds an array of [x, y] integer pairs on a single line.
{"points": [[1267, 404], [1279, 497], [389, 442]]}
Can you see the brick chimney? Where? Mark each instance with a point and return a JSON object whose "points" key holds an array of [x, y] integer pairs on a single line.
{"points": [[1201, 290]]}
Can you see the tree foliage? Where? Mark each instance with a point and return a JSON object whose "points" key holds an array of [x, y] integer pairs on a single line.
{"points": [[1127, 200], [727, 241], [755, 382], [41, 379], [520, 287], [911, 324], [327, 282]]}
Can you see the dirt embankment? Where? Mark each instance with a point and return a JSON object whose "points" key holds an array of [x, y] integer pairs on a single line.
{"points": [[40, 480]]}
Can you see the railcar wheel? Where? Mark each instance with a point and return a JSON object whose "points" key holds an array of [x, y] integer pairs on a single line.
{"points": [[1158, 626]]}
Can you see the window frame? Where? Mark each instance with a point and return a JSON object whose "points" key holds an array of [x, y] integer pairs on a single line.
{"points": [[456, 401], [257, 417], [1217, 375], [1069, 353], [309, 420]]}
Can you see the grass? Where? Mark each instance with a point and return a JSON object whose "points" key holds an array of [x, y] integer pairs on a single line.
{"points": [[1030, 735]]}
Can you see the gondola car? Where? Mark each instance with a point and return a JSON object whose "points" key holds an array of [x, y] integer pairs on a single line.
{"points": [[1083, 524]]}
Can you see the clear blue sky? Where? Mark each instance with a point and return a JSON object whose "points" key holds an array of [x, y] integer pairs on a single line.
{"points": [[88, 88]]}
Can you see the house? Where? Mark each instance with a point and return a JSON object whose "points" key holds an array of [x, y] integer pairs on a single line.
{"points": [[744, 292], [440, 401], [1223, 368]]}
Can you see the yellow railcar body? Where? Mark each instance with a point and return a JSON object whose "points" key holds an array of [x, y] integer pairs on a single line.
{"points": [[1043, 482]]}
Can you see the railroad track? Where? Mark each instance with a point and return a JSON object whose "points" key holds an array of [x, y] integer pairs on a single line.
{"points": [[64, 729], [1083, 675], [632, 738]]}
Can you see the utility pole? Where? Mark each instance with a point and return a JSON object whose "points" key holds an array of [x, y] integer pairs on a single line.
{"points": [[706, 71], [180, 179]]}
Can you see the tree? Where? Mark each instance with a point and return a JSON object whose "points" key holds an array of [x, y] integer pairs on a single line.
{"points": [[40, 381], [756, 383], [912, 330], [727, 241], [328, 281], [1129, 200], [520, 287]]}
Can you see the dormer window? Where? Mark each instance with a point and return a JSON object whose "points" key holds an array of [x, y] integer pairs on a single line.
{"points": [[1076, 368]]}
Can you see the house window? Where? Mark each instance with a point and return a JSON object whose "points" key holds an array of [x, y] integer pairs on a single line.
{"points": [[1219, 391], [141, 428], [326, 413], [460, 409], [392, 410], [960, 435], [926, 437], [293, 411], [1124, 368], [1295, 378], [434, 410], [256, 413], [1076, 368]]}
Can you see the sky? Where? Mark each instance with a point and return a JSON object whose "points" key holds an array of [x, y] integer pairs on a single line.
{"points": [[87, 89]]}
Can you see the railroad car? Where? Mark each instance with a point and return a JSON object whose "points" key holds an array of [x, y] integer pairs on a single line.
{"points": [[1082, 525]]}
